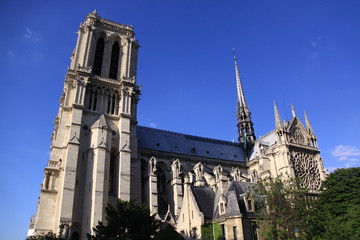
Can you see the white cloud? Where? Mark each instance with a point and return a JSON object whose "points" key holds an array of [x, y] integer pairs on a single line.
{"points": [[315, 43], [332, 169], [349, 155], [153, 125], [345, 151], [312, 50], [30, 34]]}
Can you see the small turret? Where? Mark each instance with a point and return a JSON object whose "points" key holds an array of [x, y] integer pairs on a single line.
{"points": [[278, 123], [280, 127], [310, 131]]}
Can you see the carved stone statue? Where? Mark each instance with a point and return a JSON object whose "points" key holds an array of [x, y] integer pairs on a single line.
{"points": [[176, 168], [236, 174], [64, 230], [217, 170], [199, 171], [152, 165]]}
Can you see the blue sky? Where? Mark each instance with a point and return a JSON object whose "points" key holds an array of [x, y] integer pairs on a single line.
{"points": [[305, 53]]}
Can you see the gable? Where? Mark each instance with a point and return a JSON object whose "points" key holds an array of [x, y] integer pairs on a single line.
{"points": [[298, 133]]}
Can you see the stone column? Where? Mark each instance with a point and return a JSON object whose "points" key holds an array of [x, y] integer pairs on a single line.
{"points": [[199, 175], [153, 198], [176, 182]]}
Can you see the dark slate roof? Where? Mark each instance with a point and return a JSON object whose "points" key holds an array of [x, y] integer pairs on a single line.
{"points": [[160, 140], [242, 188], [205, 199]]}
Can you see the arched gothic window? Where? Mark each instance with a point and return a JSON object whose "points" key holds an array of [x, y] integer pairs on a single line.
{"points": [[95, 99], [254, 176], [163, 200], [112, 101], [114, 61], [161, 180], [99, 54]]}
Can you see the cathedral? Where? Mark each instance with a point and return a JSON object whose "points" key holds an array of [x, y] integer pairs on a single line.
{"points": [[199, 185]]}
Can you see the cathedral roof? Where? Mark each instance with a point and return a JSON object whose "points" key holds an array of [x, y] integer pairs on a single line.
{"points": [[160, 140], [205, 199]]}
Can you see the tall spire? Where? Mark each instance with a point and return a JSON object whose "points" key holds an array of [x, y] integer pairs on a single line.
{"points": [[240, 92], [307, 123], [244, 123], [278, 123]]}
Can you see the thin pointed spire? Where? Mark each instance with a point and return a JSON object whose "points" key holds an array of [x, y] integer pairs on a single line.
{"points": [[278, 123], [307, 123], [293, 110], [240, 92], [244, 123]]}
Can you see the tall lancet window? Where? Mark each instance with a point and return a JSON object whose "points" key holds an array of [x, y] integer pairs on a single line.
{"points": [[99, 54], [114, 61]]}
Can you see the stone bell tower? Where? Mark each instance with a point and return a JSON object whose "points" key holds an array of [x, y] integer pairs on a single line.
{"points": [[93, 158]]}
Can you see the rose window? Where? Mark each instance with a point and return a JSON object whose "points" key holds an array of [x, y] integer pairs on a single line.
{"points": [[307, 171]]}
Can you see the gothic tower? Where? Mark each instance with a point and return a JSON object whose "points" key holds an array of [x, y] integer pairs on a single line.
{"points": [[93, 158], [244, 123]]}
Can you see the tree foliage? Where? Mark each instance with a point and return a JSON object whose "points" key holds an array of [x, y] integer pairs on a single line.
{"points": [[336, 214], [45, 236], [284, 208], [126, 220], [169, 232]]}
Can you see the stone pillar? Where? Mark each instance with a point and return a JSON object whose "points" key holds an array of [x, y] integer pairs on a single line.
{"points": [[176, 182], [70, 169], [199, 175], [97, 174], [153, 198], [124, 158], [220, 178]]}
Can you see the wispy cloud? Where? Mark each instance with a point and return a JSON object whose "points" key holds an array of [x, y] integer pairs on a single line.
{"points": [[313, 49], [315, 43], [31, 35], [153, 125], [349, 155], [11, 53]]}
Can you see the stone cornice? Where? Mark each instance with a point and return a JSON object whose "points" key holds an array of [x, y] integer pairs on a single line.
{"points": [[106, 80], [78, 106], [297, 146]]}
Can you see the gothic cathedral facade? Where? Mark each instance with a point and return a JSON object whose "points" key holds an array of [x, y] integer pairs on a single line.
{"points": [[99, 153]]}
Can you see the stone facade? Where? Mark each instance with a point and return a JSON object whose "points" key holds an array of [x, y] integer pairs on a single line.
{"points": [[99, 153]]}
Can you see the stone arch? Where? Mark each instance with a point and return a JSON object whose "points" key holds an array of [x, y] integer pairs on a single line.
{"points": [[162, 173], [114, 60], [98, 56]]}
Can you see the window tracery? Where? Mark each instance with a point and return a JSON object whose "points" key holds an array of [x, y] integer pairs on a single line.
{"points": [[307, 170], [102, 99], [299, 137]]}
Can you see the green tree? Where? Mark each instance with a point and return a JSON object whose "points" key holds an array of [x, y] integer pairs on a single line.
{"points": [[126, 220], [169, 232], [45, 236], [283, 207], [336, 214]]}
